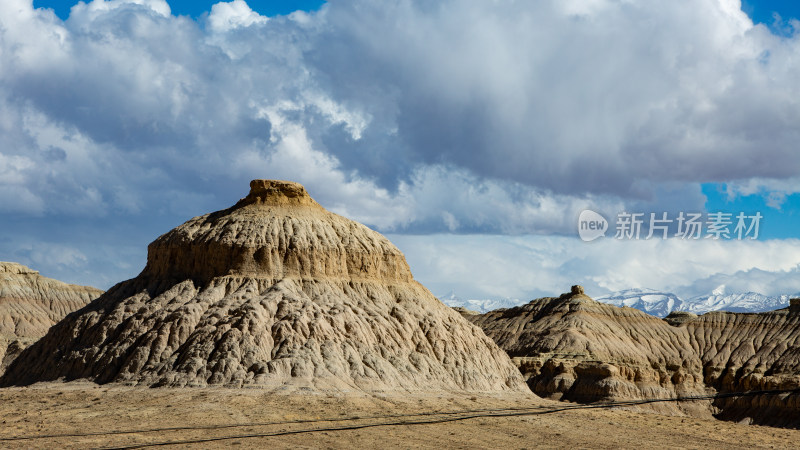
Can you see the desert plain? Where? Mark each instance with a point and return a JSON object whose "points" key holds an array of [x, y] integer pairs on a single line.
{"points": [[86, 415]]}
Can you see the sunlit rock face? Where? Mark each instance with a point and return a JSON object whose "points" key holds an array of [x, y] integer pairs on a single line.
{"points": [[274, 291]]}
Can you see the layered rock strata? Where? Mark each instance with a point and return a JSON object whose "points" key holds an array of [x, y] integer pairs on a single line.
{"points": [[30, 304], [574, 348], [274, 291]]}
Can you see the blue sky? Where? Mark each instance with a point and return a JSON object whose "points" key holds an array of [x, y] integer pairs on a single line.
{"points": [[779, 221], [196, 8], [764, 11], [472, 133], [760, 11]]}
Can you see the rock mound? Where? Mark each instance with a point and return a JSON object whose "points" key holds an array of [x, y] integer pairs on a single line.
{"points": [[30, 304], [464, 311], [273, 291], [574, 348], [677, 318]]}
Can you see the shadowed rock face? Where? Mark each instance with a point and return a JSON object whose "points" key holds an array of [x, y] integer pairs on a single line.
{"points": [[30, 304], [574, 348], [274, 291]]}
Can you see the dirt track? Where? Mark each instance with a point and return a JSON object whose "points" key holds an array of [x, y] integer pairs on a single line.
{"points": [[90, 416]]}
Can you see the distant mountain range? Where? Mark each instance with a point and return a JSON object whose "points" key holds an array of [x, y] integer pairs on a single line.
{"points": [[652, 302], [657, 303], [662, 303], [482, 305]]}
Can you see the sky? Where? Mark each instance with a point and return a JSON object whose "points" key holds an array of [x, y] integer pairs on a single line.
{"points": [[473, 134], [197, 8]]}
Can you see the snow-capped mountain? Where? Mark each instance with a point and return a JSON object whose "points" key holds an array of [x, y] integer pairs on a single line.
{"points": [[650, 301], [718, 300], [657, 303], [662, 303], [480, 305]]}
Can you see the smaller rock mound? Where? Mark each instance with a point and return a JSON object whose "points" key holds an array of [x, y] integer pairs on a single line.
{"points": [[574, 348], [678, 318], [464, 311], [30, 304]]}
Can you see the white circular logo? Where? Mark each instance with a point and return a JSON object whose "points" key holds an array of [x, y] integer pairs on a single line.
{"points": [[591, 225]]}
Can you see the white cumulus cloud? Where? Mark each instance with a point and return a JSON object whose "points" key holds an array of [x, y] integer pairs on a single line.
{"points": [[227, 16], [457, 116], [525, 267]]}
